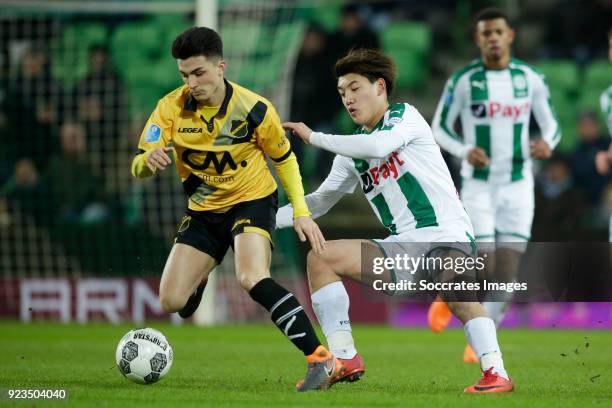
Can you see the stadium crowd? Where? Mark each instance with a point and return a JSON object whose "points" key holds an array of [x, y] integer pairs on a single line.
{"points": [[64, 165]]}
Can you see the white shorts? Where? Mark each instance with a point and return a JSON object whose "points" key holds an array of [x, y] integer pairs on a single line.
{"points": [[420, 243], [499, 212]]}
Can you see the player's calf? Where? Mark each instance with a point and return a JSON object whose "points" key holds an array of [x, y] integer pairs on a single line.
{"points": [[287, 314]]}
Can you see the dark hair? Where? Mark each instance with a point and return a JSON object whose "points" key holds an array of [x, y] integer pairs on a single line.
{"points": [[491, 13], [350, 8], [197, 41], [370, 63]]}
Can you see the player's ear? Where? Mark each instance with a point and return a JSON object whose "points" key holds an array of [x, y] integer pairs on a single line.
{"points": [[222, 65], [381, 86]]}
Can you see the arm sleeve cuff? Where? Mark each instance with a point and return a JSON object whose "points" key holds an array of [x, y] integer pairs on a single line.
{"points": [[288, 172], [139, 166]]}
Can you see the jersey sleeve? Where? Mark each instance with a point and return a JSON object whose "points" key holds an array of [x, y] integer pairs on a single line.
{"points": [[271, 135], [605, 103], [340, 181], [448, 110], [544, 112], [398, 130], [156, 133], [272, 140]]}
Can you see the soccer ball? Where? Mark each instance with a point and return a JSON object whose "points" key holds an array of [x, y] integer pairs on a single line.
{"points": [[144, 355]]}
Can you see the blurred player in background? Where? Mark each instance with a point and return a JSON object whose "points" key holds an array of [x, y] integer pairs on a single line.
{"points": [[397, 164], [494, 96], [221, 134], [603, 159]]}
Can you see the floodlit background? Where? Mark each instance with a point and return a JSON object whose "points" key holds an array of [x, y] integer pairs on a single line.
{"points": [[78, 80]]}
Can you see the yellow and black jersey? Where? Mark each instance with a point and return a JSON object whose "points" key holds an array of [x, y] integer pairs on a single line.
{"points": [[220, 158]]}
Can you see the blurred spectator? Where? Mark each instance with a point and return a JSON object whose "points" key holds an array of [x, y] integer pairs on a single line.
{"points": [[25, 192], [591, 140], [559, 203], [584, 23], [352, 33], [315, 99], [33, 105], [5, 153], [77, 193], [99, 96], [101, 107]]}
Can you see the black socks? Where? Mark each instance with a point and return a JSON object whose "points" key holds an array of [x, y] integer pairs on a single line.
{"points": [[287, 314]]}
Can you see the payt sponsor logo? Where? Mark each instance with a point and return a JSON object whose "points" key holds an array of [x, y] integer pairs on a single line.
{"points": [[500, 110], [372, 177]]}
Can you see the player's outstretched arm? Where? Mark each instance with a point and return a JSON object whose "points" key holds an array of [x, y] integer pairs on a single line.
{"points": [[372, 146]]}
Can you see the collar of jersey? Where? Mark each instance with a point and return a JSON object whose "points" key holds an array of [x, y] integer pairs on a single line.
{"points": [[192, 105], [376, 127], [482, 64]]}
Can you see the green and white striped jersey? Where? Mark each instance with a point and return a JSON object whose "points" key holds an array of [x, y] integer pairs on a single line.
{"points": [[605, 101], [400, 170], [495, 107]]}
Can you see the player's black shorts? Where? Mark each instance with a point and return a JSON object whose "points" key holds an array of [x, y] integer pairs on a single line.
{"points": [[213, 233]]}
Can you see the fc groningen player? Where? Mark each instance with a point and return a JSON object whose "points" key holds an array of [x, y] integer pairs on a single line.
{"points": [[603, 159], [397, 164], [221, 134], [495, 96]]}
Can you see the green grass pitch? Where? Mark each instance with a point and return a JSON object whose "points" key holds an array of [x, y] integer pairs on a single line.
{"points": [[251, 366]]}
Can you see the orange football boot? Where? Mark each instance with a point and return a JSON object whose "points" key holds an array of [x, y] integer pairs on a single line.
{"points": [[468, 355], [439, 315]]}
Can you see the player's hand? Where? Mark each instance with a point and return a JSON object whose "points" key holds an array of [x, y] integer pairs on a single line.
{"points": [[159, 159], [299, 129], [540, 149], [478, 158], [602, 162], [306, 228]]}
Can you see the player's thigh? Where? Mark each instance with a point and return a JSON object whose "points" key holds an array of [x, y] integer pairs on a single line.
{"points": [[185, 268], [477, 199], [345, 258], [252, 255], [198, 247], [514, 214], [251, 224]]}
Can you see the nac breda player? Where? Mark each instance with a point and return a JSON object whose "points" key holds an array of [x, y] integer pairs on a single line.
{"points": [[494, 96], [397, 164], [221, 134]]}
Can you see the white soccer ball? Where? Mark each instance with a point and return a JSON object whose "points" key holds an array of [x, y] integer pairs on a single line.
{"points": [[144, 355]]}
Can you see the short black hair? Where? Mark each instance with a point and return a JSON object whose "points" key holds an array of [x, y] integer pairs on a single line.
{"points": [[197, 41], [369, 63], [491, 13]]}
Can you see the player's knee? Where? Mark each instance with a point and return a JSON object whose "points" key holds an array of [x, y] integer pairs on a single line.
{"points": [[169, 303], [315, 264], [249, 278]]}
